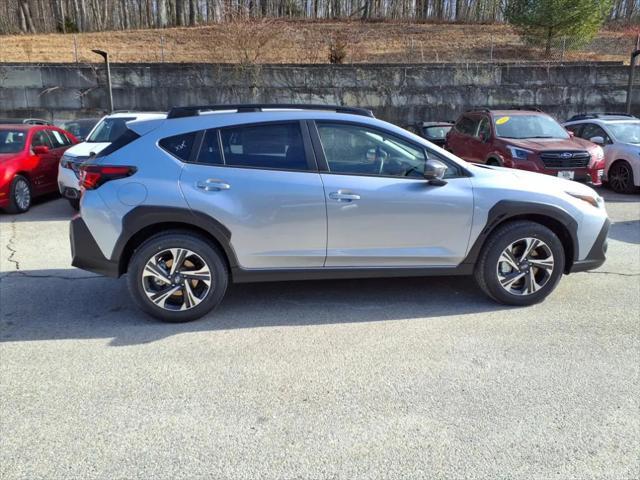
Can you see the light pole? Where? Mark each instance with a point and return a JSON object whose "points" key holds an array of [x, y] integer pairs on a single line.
{"points": [[632, 65], [105, 55]]}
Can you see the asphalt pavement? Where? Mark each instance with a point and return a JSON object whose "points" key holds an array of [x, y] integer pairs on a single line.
{"points": [[400, 378]]}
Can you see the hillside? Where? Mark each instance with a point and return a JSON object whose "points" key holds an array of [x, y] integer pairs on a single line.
{"points": [[306, 42]]}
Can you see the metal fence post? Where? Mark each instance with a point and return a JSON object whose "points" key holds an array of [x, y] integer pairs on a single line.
{"points": [[75, 47], [491, 51], [564, 46], [162, 48], [632, 69]]}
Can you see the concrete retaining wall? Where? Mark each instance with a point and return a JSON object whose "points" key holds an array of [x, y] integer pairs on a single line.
{"points": [[398, 93]]}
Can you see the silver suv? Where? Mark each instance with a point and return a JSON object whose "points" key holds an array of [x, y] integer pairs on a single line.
{"points": [[248, 193]]}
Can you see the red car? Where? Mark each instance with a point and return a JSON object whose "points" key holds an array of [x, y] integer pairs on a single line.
{"points": [[525, 139], [29, 157]]}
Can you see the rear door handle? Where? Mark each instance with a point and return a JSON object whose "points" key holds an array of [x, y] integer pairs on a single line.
{"points": [[344, 196], [213, 185]]}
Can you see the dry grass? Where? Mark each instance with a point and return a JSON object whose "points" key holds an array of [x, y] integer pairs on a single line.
{"points": [[280, 41]]}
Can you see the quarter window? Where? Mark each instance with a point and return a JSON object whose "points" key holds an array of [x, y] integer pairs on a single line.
{"points": [[357, 149], [179, 145], [277, 146]]}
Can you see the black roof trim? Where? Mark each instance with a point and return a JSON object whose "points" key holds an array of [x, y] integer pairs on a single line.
{"points": [[591, 116], [192, 111]]}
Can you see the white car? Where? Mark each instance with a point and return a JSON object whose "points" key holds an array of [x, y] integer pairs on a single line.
{"points": [[109, 128], [619, 136]]}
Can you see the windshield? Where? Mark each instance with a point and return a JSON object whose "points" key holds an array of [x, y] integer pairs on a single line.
{"points": [[628, 132], [528, 126], [12, 141], [109, 129]]}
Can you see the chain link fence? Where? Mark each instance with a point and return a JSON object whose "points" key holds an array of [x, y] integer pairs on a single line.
{"points": [[269, 44]]}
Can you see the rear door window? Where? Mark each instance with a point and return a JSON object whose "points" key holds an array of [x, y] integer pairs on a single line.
{"points": [[467, 126], [58, 139], [270, 146]]}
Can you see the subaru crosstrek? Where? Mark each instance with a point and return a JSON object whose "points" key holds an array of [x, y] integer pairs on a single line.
{"points": [[526, 140], [209, 195]]}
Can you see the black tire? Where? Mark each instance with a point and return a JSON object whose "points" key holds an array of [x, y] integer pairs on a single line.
{"points": [[486, 271], [14, 205], [197, 244], [75, 203], [620, 177], [494, 162]]}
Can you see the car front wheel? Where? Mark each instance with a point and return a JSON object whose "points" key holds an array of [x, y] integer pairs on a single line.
{"points": [[520, 264], [20, 195], [620, 177], [177, 276]]}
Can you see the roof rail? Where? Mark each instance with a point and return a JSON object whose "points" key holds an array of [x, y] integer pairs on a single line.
{"points": [[192, 111], [590, 116], [516, 107]]}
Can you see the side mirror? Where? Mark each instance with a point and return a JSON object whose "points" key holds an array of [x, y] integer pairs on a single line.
{"points": [[40, 149], [434, 171], [599, 140]]}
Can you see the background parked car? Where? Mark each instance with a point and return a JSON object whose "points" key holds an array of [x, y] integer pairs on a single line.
{"points": [[435, 132], [80, 128], [109, 128], [25, 121], [528, 140], [29, 156], [619, 136]]}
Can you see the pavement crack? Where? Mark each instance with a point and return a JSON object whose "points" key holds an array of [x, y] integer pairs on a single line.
{"points": [[11, 244], [616, 273], [24, 274]]}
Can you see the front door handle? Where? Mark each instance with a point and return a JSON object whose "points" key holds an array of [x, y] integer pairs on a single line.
{"points": [[213, 185], [344, 196]]}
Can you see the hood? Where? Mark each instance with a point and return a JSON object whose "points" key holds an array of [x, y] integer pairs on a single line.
{"points": [[532, 181], [541, 144], [85, 149]]}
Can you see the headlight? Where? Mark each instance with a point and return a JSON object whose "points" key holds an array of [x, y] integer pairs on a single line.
{"points": [[593, 200], [598, 154], [66, 161], [519, 153]]}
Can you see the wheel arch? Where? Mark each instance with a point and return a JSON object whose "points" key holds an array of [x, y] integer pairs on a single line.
{"points": [[143, 222], [554, 218]]}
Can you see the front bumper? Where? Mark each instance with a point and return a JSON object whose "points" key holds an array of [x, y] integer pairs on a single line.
{"points": [[597, 255], [85, 252]]}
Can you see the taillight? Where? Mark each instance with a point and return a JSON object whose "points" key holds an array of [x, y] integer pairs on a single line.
{"points": [[92, 176]]}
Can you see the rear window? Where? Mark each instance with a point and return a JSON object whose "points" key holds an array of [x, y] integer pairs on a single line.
{"points": [[439, 131], [179, 145], [126, 138], [277, 146]]}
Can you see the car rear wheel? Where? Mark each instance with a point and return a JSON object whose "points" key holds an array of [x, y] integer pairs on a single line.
{"points": [[620, 177], [520, 264], [20, 195], [177, 276]]}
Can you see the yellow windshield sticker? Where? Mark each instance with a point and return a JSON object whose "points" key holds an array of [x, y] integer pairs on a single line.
{"points": [[502, 120]]}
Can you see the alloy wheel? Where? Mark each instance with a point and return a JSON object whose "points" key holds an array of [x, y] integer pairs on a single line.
{"points": [[619, 178], [22, 194], [176, 279], [525, 266]]}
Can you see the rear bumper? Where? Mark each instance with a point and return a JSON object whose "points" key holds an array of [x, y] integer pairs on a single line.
{"points": [[85, 252], [68, 183], [597, 255]]}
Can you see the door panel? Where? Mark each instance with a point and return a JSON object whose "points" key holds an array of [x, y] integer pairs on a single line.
{"points": [[397, 222], [277, 219], [45, 171]]}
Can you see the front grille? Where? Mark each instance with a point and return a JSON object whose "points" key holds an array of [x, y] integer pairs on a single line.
{"points": [[565, 159]]}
